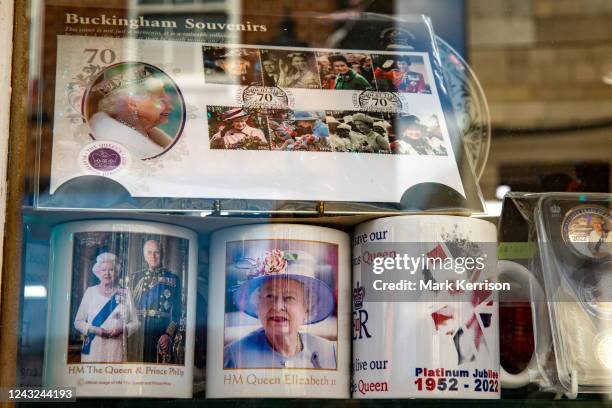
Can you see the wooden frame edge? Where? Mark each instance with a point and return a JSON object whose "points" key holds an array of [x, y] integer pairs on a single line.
{"points": [[10, 289]]}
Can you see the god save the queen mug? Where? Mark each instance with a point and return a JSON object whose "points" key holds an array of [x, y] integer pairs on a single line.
{"points": [[279, 309], [426, 346], [121, 313]]}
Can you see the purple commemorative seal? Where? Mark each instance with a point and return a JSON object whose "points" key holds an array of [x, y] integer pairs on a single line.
{"points": [[103, 158]]}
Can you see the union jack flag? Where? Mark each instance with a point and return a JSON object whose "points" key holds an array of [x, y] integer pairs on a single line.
{"points": [[466, 329]]}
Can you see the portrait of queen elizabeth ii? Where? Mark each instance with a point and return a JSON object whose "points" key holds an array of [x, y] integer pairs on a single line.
{"points": [[137, 106], [286, 291], [106, 315]]}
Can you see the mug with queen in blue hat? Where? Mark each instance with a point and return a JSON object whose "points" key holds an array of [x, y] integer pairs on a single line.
{"points": [[285, 291], [284, 313]]}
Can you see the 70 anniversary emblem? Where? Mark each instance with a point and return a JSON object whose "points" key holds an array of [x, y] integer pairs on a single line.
{"points": [[378, 101], [265, 97]]}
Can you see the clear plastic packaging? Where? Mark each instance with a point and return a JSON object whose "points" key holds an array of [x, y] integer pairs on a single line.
{"points": [[576, 253], [570, 235], [379, 116]]}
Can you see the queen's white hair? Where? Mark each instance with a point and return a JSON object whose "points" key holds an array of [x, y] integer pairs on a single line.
{"points": [[116, 102], [104, 257]]}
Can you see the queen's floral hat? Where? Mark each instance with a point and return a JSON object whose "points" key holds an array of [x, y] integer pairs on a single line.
{"points": [[295, 265]]}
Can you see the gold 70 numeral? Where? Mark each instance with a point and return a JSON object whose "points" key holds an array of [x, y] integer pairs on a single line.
{"points": [[107, 56]]}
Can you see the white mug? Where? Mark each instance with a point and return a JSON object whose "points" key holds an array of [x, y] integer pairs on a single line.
{"points": [[121, 309], [429, 345], [532, 290], [584, 358], [278, 313]]}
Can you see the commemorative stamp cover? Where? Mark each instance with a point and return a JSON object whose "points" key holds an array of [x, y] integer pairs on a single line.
{"points": [[231, 120]]}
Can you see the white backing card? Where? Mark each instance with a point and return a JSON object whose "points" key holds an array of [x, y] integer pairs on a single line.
{"points": [[189, 168]]}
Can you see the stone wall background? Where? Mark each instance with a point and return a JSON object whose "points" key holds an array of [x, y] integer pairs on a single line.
{"points": [[543, 65]]}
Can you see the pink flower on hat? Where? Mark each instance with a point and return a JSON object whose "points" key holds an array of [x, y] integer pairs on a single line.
{"points": [[273, 262]]}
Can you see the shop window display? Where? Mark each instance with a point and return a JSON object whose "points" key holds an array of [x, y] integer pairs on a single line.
{"points": [[175, 152]]}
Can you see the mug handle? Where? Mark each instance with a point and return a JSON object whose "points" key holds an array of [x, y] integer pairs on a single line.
{"points": [[525, 278]]}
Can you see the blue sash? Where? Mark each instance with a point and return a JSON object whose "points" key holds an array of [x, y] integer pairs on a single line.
{"points": [[100, 318]]}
